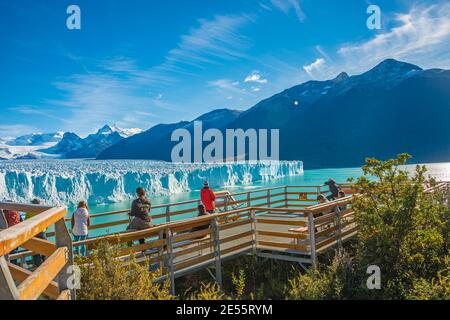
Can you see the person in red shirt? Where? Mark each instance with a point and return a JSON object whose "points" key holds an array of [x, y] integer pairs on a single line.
{"points": [[208, 198]]}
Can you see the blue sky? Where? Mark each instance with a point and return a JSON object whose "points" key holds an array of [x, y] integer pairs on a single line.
{"points": [[137, 63]]}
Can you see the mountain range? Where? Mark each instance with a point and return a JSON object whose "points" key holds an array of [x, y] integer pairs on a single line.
{"points": [[63, 145], [394, 107], [72, 146]]}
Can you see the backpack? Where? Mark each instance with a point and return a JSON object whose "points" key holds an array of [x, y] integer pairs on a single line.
{"points": [[12, 217]]}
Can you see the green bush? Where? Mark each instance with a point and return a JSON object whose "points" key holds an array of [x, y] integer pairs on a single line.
{"points": [[208, 291], [338, 280], [103, 277], [403, 229]]}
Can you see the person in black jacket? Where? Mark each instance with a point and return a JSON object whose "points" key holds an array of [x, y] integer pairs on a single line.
{"points": [[140, 211], [333, 188]]}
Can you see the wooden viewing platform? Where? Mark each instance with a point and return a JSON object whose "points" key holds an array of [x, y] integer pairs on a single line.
{"points": [[283, 223]]}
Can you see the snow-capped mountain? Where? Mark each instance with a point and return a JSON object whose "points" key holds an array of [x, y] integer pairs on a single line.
{"points": [[28, 146], [62, 145], [36, 139], [73, 146], [124, 133], [70, 141]]}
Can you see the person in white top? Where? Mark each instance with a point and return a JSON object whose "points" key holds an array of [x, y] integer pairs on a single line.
{"points": [[80, 224]]}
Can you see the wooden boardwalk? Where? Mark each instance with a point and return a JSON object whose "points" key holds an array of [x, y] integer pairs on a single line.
{"points": [[282, 223]]}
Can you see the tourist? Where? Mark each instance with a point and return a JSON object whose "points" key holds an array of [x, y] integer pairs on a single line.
{"points": [[38, 258], [341, 194], [201, 212], [11, 217], [208, 198], [80, 226], [140, 211], [333, 188], [321, 200]]}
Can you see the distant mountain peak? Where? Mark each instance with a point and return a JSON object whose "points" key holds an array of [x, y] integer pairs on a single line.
{"points": [[341, 77], [124, 133], [390, 66]]}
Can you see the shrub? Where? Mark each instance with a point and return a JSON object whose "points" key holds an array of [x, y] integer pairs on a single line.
{"points": [[207, 291], [336, 281], [403, 229], [103, 277]]}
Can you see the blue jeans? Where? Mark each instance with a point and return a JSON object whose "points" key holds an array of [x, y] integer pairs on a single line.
{"points": [[80, 249]]}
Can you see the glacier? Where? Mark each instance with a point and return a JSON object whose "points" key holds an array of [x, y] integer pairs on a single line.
{"points": [[65, 182]]}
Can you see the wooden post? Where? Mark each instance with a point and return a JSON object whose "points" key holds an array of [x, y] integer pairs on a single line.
{"points": [[171, 262], [63, 239], [225, 201], [3, 222], [168, 214], [249, 197], [253, 226], [161, 251], [312, 239], [217, 258], [3, 225], [286, 203], [338, 228], [8, 289]]}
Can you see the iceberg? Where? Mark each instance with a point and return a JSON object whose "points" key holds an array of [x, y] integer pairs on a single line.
{"points": [[65, 182]]}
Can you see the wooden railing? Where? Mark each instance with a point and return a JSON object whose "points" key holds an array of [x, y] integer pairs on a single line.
{"points": [[187, 245], [51, 278], [283, 196], [294, 197]]}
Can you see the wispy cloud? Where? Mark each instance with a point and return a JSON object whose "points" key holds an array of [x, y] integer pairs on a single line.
{"points": [[287, 5], [227, 87], [255, 76], [116, 91], [212, 41], [15, 130], [110, 86], [317, 65], [31, 111], [421, 35]]}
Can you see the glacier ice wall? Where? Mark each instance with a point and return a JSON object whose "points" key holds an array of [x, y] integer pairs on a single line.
{"points": [[65, 182]]}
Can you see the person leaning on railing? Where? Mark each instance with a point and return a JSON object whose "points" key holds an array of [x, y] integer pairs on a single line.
{"points": [[140, 211], [333, 188]]}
